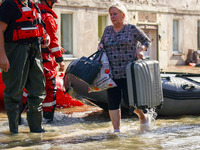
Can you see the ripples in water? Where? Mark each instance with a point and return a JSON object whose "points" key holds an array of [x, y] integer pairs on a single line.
{"points": [[92, 129]]}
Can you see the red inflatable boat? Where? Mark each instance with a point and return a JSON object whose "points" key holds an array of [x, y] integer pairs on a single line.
{"points": [[64, 99]]}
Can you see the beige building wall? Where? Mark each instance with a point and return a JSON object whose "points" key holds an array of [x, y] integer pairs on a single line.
{"points": [[156, 15]]}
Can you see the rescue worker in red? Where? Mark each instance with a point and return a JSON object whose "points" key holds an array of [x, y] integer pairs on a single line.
{"points": [[52, 57], [21, 30]]}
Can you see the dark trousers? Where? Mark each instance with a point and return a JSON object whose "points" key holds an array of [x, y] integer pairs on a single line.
{"points": [[117, 94], [25, 72]]}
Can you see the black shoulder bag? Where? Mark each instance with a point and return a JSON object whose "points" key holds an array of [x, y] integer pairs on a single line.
{"points": [[87, 68]]}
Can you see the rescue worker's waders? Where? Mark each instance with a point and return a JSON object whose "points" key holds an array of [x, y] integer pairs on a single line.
{"points": [[21, 57]]}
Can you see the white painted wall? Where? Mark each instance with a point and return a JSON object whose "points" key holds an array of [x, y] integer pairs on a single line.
{"points": [[85, 14]]}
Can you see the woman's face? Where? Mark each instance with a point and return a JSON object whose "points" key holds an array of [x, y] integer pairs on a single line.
{"points": [[116, 16]]}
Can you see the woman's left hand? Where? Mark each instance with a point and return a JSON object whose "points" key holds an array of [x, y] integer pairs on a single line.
{"points": [[140, 52]]}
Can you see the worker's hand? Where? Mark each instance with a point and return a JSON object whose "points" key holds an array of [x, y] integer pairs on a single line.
{"points": [[62, 50], [4, 63], [61, 66]]}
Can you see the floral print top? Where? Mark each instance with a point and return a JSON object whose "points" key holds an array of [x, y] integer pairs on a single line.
{"points": [[121, 47]]}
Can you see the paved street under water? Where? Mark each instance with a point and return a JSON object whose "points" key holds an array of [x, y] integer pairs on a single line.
{"points": [[89, 128]]}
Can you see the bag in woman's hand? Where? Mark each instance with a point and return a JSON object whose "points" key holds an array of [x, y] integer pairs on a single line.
{"points": [[87, 68], [103, 80]]}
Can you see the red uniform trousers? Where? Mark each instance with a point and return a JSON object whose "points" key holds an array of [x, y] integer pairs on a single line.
{"points": [[49, 103]]}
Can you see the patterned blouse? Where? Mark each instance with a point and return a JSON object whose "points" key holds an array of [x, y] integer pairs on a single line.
{"points": [[121, 47]]}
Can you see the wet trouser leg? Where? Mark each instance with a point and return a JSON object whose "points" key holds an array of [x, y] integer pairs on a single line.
{"points": [[13, 118], [13, 80], [49, 103], [35, 86], [17, 78]]}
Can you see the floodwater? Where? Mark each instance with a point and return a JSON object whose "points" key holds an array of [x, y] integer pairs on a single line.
{"points": [[89, 128]]}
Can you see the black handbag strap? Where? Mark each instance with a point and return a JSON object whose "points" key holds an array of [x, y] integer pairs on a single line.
{"points": [[97, 55]]}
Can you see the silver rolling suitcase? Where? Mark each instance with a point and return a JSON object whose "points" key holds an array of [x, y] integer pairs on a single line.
{"points": [[144, 84]]}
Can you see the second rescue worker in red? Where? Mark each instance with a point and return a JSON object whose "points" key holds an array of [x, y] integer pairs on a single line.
{"points": [[52, 57]]}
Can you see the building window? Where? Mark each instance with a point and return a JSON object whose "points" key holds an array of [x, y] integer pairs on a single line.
{"points": [[175, 36], [198, 35], [101, 26], [67, 33]]}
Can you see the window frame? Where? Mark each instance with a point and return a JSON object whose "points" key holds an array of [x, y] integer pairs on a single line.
{"points": [[198, 35], [179, 35], [175, 35], [71, 24], [102, 30], [69, 57]]}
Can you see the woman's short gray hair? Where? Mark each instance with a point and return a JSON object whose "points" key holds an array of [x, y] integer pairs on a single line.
{"points": [[121, 8]]}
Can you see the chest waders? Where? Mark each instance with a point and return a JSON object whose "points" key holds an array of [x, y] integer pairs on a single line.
{"points": [[25, 72]]}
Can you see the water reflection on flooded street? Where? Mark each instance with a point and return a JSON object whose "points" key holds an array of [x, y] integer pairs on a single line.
{"points": [[92, 130]]}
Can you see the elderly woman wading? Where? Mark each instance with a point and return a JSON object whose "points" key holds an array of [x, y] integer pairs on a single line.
{"points": [[120, 42]]}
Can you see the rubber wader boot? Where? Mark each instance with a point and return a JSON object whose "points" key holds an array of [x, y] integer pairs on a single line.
{"points": [[48, 116], [13, 118], [35, 121], [22, 108]]}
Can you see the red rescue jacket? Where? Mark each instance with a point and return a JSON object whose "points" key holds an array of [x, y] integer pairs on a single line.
{"points": [[49, 16], [29, 25]]}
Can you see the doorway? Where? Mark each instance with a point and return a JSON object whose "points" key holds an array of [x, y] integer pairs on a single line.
{"points": [[152, 32]]}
